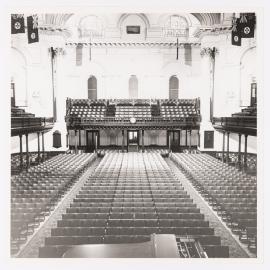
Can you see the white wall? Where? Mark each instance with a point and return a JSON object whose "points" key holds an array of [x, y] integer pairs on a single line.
{"points": [[235, 69], [153, 66]]}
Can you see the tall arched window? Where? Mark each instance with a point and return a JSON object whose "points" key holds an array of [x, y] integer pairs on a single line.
{"points": [[173, 87], [92, 87], [133, 87]]}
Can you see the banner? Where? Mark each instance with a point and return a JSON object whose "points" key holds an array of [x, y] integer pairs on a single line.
{"points": [[17, 24], [247, 25], [236, 32], [32, 29]]}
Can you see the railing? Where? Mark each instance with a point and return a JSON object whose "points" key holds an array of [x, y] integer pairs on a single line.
{"points": [[16, 167], [126, 120], [248, 121], [233, 159], [29, 122]]}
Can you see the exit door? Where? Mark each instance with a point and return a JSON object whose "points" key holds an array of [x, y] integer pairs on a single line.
{"points": [[91, 141], [173, 139], [133, 140]]}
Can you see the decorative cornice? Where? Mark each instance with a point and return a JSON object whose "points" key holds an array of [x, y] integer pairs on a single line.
{"points": [[54, 30], [132, 44], [212, 31]]}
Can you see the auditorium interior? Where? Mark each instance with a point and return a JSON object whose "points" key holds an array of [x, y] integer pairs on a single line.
{"points": [[133, 135]]}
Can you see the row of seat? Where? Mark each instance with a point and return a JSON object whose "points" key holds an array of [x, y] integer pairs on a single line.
{"points": [[232, 193], [34, 193], [129, 197], [100, 111]]}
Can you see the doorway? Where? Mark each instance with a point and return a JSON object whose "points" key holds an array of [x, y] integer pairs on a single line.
{"points": [[173, 140], [133, 140], [92, 141], [253, 95]]}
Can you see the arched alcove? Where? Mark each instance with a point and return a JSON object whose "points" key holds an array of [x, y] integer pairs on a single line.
{"points": [[92, 87], [173, 87]]}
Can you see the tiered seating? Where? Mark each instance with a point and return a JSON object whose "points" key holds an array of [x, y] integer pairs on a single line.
{"points": [[34, 193], [151, 110], [92, 111], [15, 161], [139, 111], [175, 111], [231, 192], [33, 160], [129, 197]]}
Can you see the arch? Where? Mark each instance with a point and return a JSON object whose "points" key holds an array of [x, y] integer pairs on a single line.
{"points": [[92, 87], [245, 52], [141, 15], [173, 87], [247, 75], [207, 18], [91, 26], [133, 87]]}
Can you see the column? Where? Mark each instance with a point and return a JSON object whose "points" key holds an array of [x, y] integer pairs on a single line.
{"points": [[76, 142], [27, 151], [79, 137], [239, 150], [21, 153], [67, 140], [96, 141], [198, 141], [123, 140], [223, 146], [186, 137], [169, 138], [228, 146], [245, 153], [142, 140], [43, 147], [180, 139], [190, 141], [38, 147]]}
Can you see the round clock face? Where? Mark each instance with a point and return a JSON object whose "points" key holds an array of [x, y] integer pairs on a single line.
{"points": [[132, 120]]}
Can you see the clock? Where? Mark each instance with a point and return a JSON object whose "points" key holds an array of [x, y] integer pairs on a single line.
{"points": [[132, 120]]}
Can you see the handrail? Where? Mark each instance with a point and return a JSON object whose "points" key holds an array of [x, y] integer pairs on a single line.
{"points": [[25, 122], [127, 119], [249, 121]]}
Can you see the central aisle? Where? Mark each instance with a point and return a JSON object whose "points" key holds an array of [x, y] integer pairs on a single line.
{"points": [[129, 197]]}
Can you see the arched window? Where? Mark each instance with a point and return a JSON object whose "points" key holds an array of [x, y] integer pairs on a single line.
{"points": [[173, 87], [92, 87], [133, 87]]}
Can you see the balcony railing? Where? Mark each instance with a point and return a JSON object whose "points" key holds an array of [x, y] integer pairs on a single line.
{"points": [[246, 122], [30, 124], [125, 121]]}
